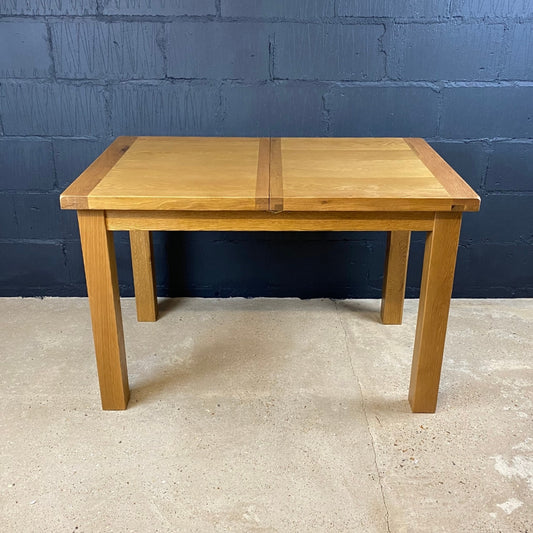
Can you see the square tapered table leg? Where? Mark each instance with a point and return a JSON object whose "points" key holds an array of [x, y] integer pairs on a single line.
{"points": [[102, 286], [435, 294], [142, 259], [396, 258]]}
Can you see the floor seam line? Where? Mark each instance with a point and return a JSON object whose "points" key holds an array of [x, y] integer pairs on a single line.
{"points": [[363, 406]]}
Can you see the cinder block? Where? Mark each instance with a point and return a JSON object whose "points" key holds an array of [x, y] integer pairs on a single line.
{"points": [[226, 265], [511, 167], [118, 50], [73, 156], [382, 111], [32, 269], [26, 164], [24, 50], [8, 220], [74, 266], [52, 109], [486, 112], [47, 7], [468, 159], [392, 8], [431, 51], [328, 52], [302, 9], [281, 109], [503, 219], [40, 217], [165, 109], [493, 270], [518, 64], [231, 50], [158, 7], [492, 8]]}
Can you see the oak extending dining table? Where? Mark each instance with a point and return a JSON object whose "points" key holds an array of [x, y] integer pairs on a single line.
{"points": [[145, 184]]}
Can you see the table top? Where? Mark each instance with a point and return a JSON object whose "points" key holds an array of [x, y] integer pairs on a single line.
{"points": [[278, 174]]}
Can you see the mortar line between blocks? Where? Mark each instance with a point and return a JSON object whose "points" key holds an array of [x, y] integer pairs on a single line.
{"points": [[363, 406]]}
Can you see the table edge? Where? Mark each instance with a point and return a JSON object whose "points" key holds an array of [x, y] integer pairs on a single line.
{"points": [[463, 197], [76, 195]]}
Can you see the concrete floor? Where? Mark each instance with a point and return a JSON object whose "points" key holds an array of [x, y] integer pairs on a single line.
{"points": [[265, 415]]}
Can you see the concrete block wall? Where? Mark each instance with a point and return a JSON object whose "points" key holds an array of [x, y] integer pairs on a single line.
{"points": [[75, 74]]}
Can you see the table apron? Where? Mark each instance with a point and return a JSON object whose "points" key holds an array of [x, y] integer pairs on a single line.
{"points": [[265, 221]]}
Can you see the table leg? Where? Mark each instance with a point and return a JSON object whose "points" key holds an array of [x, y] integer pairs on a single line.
{"points": [[102, 287], [435, 293], [142, 258], [394, 277]]}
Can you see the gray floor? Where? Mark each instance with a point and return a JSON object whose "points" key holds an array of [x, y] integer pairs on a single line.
{"points": [[265, 415]]}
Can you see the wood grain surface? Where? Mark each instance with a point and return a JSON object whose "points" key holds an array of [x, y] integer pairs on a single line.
{"points": [[434, 304], [465, 199], [262, 186], [102, 287], [76, 196], [143, 265], [394, 277], [287, 174], [265, 221]]}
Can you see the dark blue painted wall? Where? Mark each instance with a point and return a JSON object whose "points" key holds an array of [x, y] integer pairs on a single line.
{"points": [[76, 73]]}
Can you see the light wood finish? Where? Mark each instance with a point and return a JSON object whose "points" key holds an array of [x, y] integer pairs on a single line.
{"points": [[143, 184], [276, 177], [463, 197], [182, 173], [362, 175], [304, 174], [394, 278], [257, 221], [142, 258], [262, 187], [435, 293], [102, 287], [76, 196]]}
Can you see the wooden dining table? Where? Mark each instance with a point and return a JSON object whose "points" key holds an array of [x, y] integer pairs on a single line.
{"points": [[146, 184]]}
